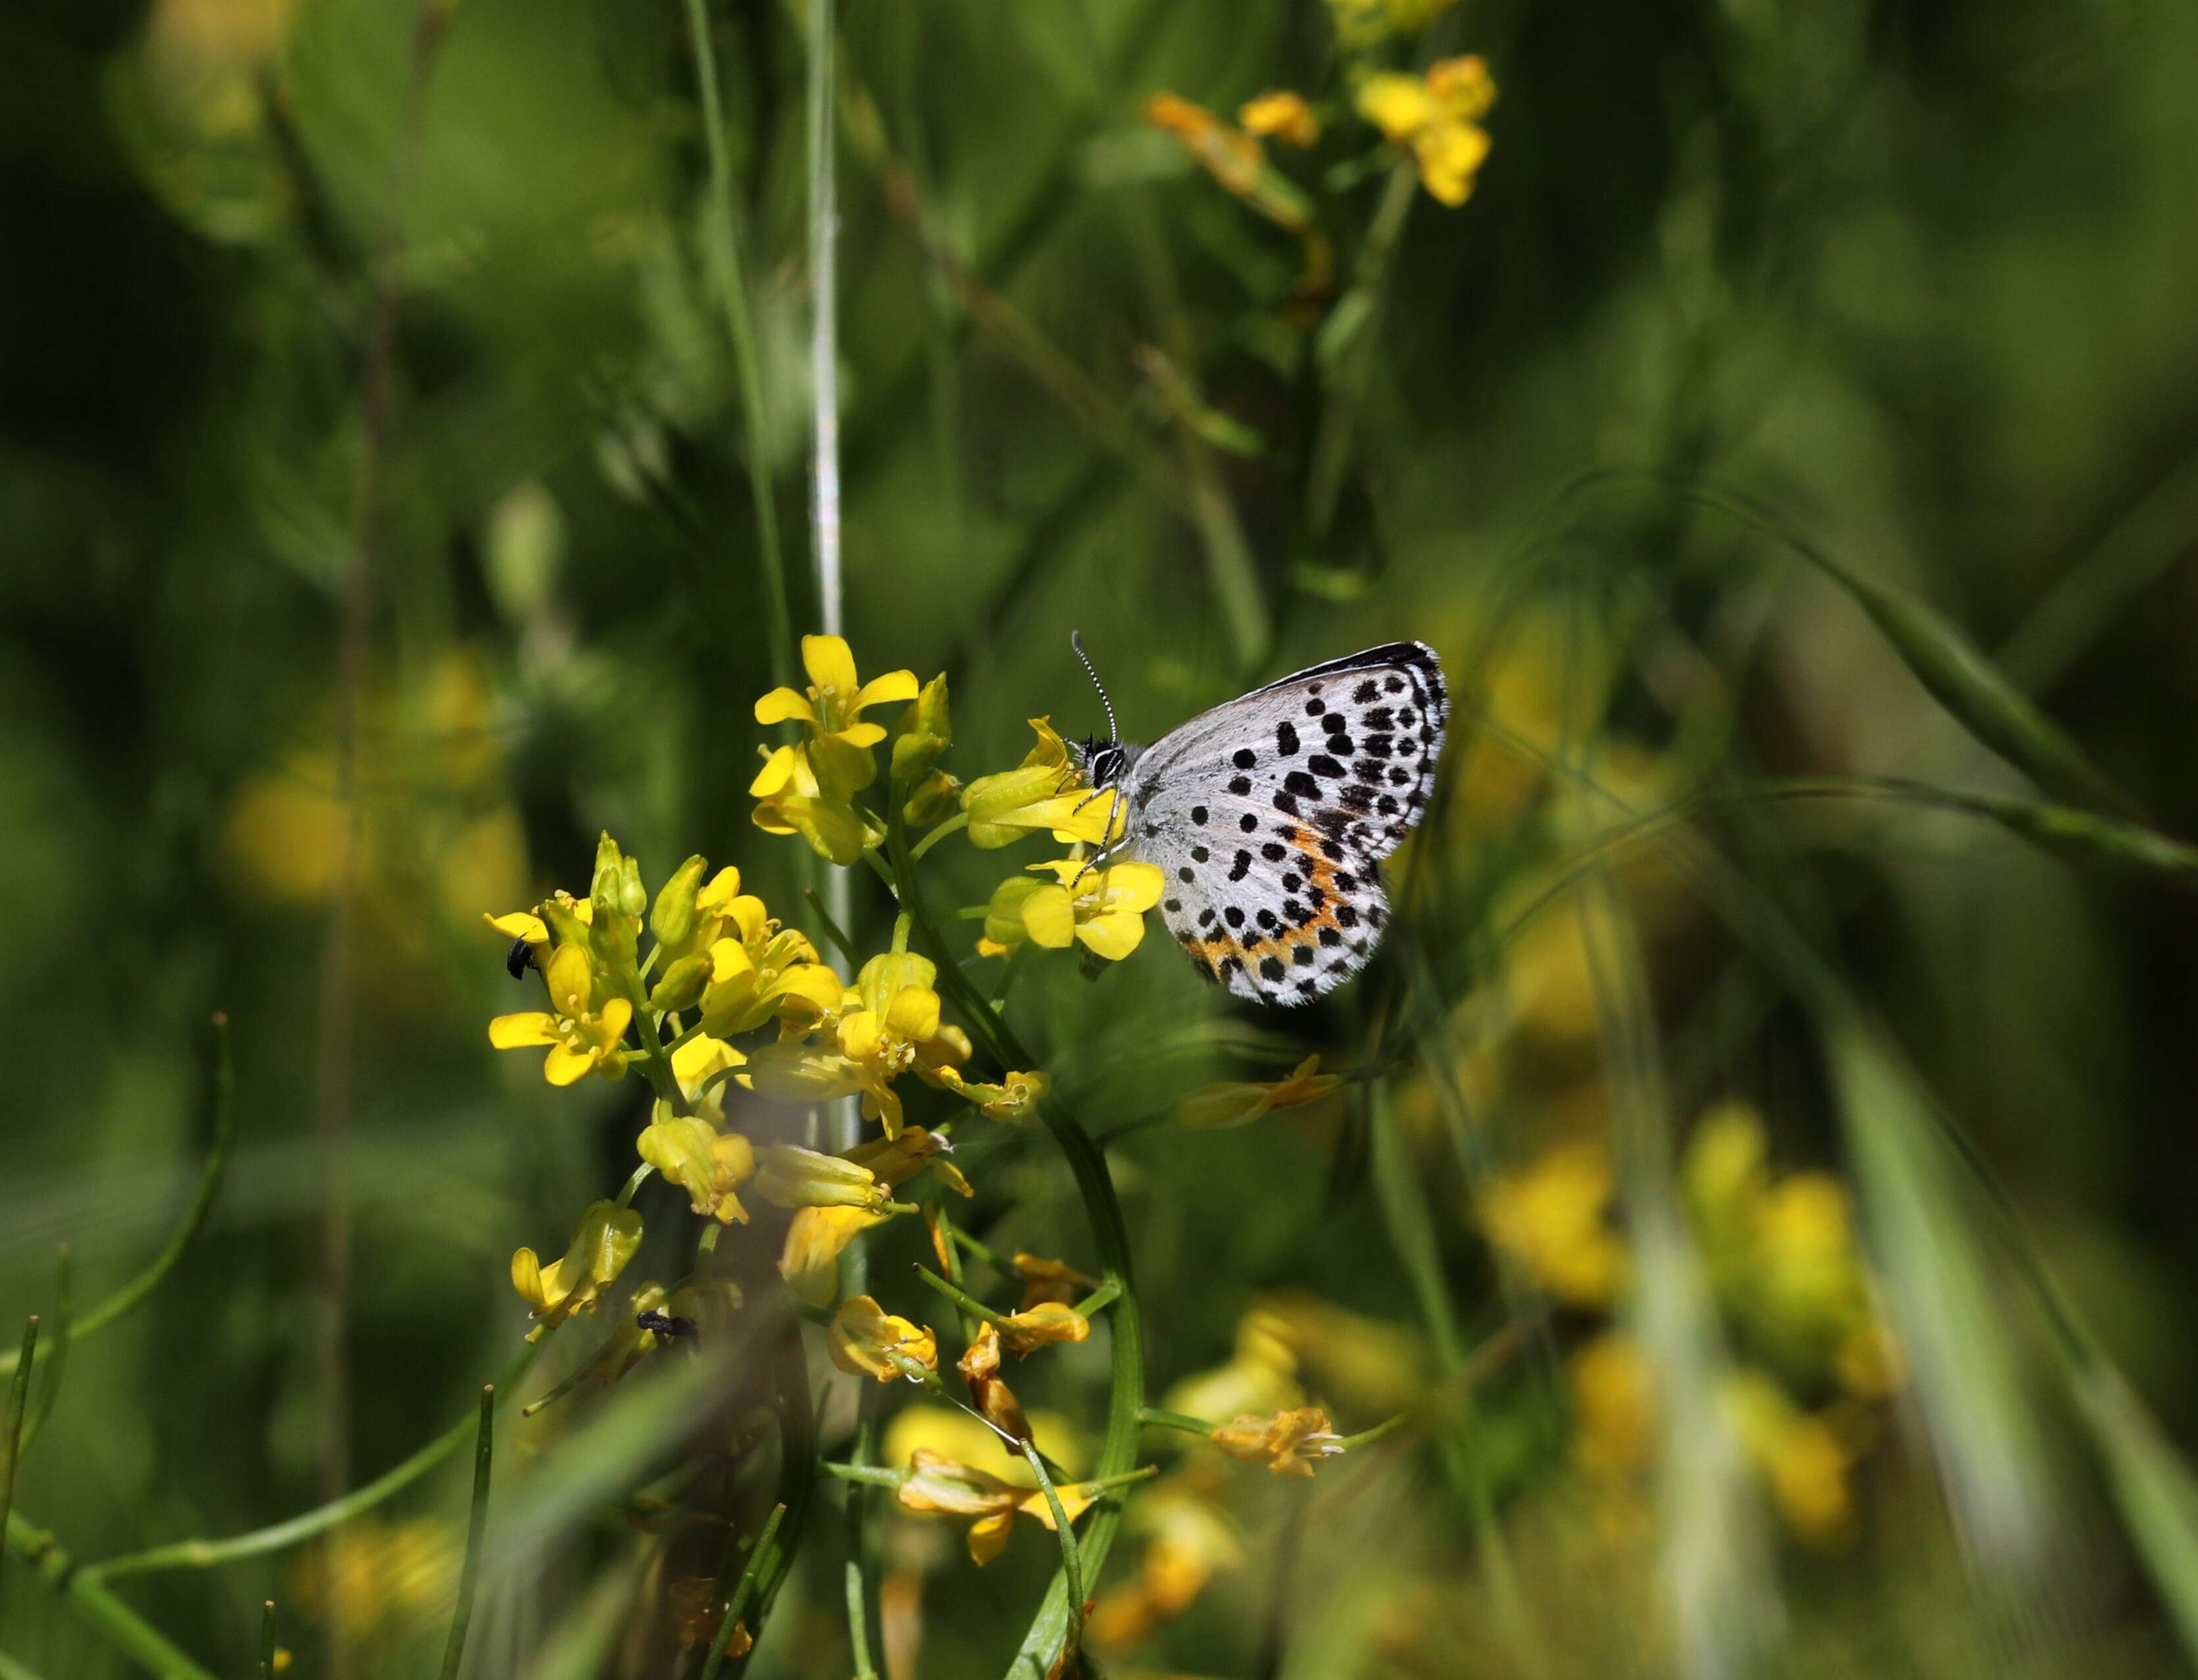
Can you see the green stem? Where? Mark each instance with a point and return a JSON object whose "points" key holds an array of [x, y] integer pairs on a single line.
{"points": [[961, 1297], [1072, 1565], [743, 1592], [207, 1553], [134, 1292], [19, 1395], [952, 825], [635, 1180], [1099, 1299], [833, 931], [870, 1475], [797, 1478], [476, 1532], [267, 1647], [1158, 1418], [1366, 1438], [971, 1245], [121, 1626], [1118, 1451], [858, 1576], [732, 287]]}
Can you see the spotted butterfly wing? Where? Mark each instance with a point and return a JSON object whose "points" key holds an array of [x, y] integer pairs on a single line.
{"points": [[1269, 818]]}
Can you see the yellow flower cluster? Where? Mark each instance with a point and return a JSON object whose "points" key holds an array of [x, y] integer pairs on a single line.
{"points": [[1789, 1278], [1437, 117]]}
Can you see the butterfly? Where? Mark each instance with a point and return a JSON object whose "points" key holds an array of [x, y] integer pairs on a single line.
{"points": [[1269, 816]]}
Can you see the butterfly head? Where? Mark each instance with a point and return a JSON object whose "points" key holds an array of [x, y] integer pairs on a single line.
{"points": [[1103, 763]]}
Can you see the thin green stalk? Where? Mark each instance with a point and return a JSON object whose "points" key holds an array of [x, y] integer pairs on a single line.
{"points": [[207, 1553], [476, 1530], [1118, 1450], [950, 1254], [19, 1394], [1366, 1438], [98, 1608], [971, 1245], [133, 1293], [49, 1384], [870, 1475], [634, 1181], [1159, 1418], [833, 931], [1098, 1300], [952, 825], [773, 1556], [267, 1647], [742, 1593], [961, 1297], [857, 1571], [1071, 1565]]}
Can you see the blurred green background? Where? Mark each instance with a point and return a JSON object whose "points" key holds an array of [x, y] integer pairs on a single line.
{"points": [[1772, 1387]]}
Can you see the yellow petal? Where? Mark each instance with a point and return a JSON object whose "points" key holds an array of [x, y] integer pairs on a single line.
{"points": [[893, 685], [520, 924], [564, 1065], [1050, 917], [809, 1262], [988, 1536], [913, 1015], [831, 664], [782, 705], [528, 1030], [526, 1278], [1400, 106], [779, 772], [1112, 934], [571, 981], [617, 1016], [699, 1058], [1134, 886], [861, 735], [1047, 1322]]}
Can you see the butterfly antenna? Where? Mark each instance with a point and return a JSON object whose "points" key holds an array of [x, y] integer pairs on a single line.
{"points": [[1076, 640]]}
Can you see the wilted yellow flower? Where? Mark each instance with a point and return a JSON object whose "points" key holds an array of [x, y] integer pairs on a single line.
{"points": [[1282, 115], [1438, 118], [708, 1164], [1368, 1365], [1015, 1098], [1552, 1219], [864, 1340], [1046, 792], [980, 1368], [1234, 1104], [1054, 1281], [839, 742], [1104, 909], [582, 1037], [940, 1487], [1232, 158], [606, 1240], [895, 1160], [1287, 1443], [1041, 1326], [809, 1262]]}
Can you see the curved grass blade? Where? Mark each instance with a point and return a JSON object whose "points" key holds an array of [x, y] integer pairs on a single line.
{"points": [[476, 1529]]}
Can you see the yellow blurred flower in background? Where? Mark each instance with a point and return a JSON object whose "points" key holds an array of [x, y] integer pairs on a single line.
{"points": [[1280, 116], [1235, 1103], [371, 1578], [1437, 117], [1552, 1219]]}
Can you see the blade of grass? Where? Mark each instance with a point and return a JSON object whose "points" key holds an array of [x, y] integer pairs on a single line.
{"points": [[742, 1593], [49, 1382], [11, 1441], [454, 1651]]}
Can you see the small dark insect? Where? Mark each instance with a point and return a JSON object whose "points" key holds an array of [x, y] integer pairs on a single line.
{"points": [[665, 1324], [519, 959]]}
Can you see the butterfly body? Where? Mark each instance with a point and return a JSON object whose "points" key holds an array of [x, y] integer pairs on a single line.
{"points": [[1269, 816]]}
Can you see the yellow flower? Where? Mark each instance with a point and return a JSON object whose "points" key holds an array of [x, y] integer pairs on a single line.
{"points": [[951, 1433], [1015, 1097], [1104, 909], [606, 1240], [1233, 157], [896, 1028], [1230, 1104], [790, 1176], [581, 1037], [1613, 1395], [1284, 115], [709, 1165], [980, 1368], [760, 971], [1287, 1443], [864, 1340], [839, 742], [809, 1261], [941, 1486], [1050, 1280], [373, 1574], [1438, 119], [1041, 1326], [1191, 1538], [790, 801], [1551, 1220], [1045, 791], [1801, 1457]]}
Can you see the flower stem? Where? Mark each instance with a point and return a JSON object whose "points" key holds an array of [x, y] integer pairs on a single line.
{"points": [[634, 1182], [833, 931], [121, 1626], [870, 1475], [1159, 1418], [1071, 1565], [961, 1297], [743, 1592], [952, 825], [1118, 1450], [19, 1395], [267, 1647]]}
